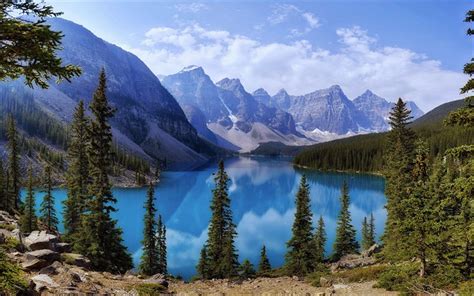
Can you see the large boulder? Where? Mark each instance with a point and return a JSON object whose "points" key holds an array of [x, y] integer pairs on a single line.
{"points": [[45, 254], [158, 278], [62, 247], [34, 264], [353, 261], [42, 282], [38, 240]]}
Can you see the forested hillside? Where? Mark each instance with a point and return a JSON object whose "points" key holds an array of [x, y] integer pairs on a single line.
{"points": [[365, 153], [43, 139]]}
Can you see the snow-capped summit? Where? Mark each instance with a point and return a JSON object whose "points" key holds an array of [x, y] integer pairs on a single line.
{"points": [[191, 68]]}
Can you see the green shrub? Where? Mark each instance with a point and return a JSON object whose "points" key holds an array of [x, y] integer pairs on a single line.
{"points": [[314, 278], [443, 277], [361, 274], [11, 276], [149, 289], [398, 277], [11, 243], [466, 288], [9, 227]]}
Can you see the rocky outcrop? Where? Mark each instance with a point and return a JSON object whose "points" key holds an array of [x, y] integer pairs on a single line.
{"points": [[357, 260], [38, 240]]}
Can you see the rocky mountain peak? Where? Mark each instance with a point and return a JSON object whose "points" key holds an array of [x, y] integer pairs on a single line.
{"points": [[192, 68], [260, 92]]}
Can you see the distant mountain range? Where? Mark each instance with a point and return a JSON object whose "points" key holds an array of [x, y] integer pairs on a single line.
{"points": [[227, 115], [187, 118]]}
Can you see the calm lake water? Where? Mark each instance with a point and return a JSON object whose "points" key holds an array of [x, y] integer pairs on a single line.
{"points": [[262, 192]]}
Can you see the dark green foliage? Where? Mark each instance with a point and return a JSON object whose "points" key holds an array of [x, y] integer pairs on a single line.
{"points": [[368, 233], [246, 270], [345, 242], [77, 176], [149, 259], [48, 211], [161, 252], [365, 153], [3, 188], [203, 267], [220, 250], [299, 259], [13, 165], [100, 239], [28, 220], [29, 47], [400, 161], [319, 241], [12, 280], [264, 266]]}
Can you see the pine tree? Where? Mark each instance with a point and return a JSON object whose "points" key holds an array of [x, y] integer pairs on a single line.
{"points": [[264, 267], [417, 227], [149, 260], [319, 241], [221, 253], [247, 270], [299, 257], [3, 189], [13, 165], [372, 238], [345, 242], [203, 268], [400, 156], [48, 211], [100, 239], [28, 220], [161, 247], [365, 235], [77, 176]]}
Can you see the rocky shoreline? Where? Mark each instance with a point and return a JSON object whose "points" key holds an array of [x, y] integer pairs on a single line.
{"points": [[50, 268]]}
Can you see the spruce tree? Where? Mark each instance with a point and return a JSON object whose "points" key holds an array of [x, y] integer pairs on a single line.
{"points": [[300, 255], [417, 226], [48, 211], [149, 260], [264, 267], [161, 247], [77, 175], [100, 239], [372, 238], [400, 156], [345, 242], [13, 164], [319, 241], [28, 220], [3, 189], [203, 267], [366, 239], [246, 270], [220, 243]]}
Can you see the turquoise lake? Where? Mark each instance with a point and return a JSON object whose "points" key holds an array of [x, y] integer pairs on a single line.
{"points": [[262, 192]]}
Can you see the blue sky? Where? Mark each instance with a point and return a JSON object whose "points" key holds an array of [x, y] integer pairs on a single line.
{"points": [[413, 49]]}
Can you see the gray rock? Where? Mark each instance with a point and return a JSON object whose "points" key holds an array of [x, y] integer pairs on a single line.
{"points": [[371, 251], [157, 279], [49, 270], [45, 254], [325, 282], [42, 282], [77, 276], [38, 240], [34, 264]]}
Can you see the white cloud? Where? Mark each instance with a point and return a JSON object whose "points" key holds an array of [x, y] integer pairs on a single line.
{"points": [[360, 63], [284, 12], [191, 7], [313, 21]]}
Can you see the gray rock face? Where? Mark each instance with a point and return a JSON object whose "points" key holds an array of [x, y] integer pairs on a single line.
{"points": [[76, 259], [46, 255], [377, 110], [142, 103], [327, 110], [226, 104], [38, 240]]}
